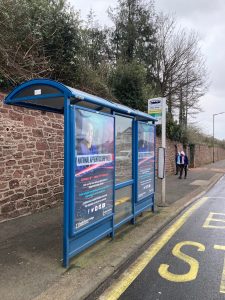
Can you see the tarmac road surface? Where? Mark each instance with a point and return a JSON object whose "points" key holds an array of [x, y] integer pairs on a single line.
{"points": [[186, 261]]}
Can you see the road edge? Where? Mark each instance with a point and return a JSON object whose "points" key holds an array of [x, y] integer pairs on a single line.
{"points": [[192, 197]]}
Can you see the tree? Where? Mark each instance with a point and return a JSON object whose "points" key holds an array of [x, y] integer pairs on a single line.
{"points": [[95, 62], [21, 54], [128, 82], [62, 41], [132, 44], [143, 55], [180, 73], [38, 38], [133, 35], [196, 86]]}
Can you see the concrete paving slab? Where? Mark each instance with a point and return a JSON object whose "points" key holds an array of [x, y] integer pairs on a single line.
{"points": [[200, 182]]}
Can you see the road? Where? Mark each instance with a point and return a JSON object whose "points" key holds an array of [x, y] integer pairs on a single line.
{"points": [[186, 261]]}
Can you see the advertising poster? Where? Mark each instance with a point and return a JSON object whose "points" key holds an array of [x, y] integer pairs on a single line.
{"points": [[145, 160], [94, 167]]}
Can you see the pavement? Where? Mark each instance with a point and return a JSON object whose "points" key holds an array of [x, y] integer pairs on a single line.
{"points": [[31, 246]]}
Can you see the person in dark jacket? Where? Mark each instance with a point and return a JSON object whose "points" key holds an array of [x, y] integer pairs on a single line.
{"points": [[183, 164]]}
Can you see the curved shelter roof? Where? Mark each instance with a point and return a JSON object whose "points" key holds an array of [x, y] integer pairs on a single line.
{"points": [[49, 95]]}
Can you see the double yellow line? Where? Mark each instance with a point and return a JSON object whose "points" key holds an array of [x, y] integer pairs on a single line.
{"points": [[117, 289]]}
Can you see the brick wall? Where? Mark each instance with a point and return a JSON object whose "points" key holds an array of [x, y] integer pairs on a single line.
{"points": [[31, 160], [170, 153], [204, 154]]}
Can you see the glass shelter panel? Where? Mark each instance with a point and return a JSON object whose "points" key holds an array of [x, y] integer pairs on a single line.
{"points": [[94, 167], [146, 160], [123, 207], [123, 149]]}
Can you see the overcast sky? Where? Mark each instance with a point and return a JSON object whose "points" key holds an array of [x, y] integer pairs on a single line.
{"points": [[207, 17]]}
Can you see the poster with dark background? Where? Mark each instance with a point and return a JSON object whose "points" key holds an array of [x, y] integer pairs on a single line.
{"points": [[94, 167], [145, 160]]}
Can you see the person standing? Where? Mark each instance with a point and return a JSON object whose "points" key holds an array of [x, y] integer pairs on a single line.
{"points": [[183, 164], [177, 162]]}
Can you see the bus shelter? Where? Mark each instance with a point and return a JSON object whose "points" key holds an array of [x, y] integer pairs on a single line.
{"points": [[109, 160]]}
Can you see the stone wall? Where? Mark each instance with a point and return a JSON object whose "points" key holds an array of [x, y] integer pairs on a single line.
{"points": [[203, 154], [170, 153], [31, 160]]}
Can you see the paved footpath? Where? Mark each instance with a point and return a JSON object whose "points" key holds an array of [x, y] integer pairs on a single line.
{"points": [[198, 178], [30, 247]]}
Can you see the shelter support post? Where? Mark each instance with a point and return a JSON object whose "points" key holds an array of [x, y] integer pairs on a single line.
{"points": [[66, 182]]}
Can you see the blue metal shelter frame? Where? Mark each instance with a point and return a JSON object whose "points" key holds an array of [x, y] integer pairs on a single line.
{"points": [[52, 96]]}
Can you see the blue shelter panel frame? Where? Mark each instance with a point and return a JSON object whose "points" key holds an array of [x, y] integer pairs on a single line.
{"points": [[81, 237], [147, 201]]}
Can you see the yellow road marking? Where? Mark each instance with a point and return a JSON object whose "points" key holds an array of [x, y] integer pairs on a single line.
{"points": [[193, 263], [210, 218], [222, 284], [122, 200], [116, 289]]}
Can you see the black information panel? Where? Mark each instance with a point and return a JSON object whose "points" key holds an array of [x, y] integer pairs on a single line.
{"points": [[146, 159], [94, 167]]}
